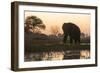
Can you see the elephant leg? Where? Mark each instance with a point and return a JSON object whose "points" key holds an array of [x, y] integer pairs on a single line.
{"points": [[75, 41], [64, 39], [79, 41], [71, 40]]}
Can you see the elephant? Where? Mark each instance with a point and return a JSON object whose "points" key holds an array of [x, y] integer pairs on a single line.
{"points": [[71, 30]]}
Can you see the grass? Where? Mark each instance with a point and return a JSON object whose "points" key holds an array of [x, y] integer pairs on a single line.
{"points": [[56, 47]]}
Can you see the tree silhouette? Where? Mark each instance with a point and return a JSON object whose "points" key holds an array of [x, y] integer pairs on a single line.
{"points": [[34, 24]]}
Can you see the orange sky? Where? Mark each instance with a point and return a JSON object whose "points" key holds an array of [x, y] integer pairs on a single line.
{"points": [[57, 19]]}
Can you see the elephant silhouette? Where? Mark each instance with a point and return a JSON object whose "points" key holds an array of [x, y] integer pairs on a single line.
{"points": [[71, 30]]}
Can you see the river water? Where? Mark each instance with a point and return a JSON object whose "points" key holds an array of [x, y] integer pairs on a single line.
{"points": [[57, 55]]}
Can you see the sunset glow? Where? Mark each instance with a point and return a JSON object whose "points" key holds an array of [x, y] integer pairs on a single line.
{"points": [[51, 19]]}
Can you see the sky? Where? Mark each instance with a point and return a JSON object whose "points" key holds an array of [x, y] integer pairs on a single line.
{"points": [[52, 20]]}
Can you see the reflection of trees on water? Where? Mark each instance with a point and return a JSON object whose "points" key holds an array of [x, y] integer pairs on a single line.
{"points": [[84, 54], [57, 55]]}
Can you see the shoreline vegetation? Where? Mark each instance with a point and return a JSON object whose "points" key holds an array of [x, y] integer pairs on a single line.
{"points": [[39, 47], [42, 42]]}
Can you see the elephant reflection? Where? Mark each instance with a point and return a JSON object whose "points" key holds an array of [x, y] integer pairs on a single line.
{"points": [[71, 30]]}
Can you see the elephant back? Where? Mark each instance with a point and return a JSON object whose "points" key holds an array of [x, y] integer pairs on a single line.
{"points": [[70, 28]]}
